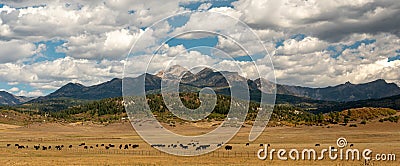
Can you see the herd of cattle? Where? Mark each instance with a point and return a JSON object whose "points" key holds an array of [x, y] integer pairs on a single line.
{"points": [[123, 146], [83, 145]]}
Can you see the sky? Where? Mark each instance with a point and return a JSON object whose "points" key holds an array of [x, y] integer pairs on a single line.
{"points": [[315, 43]]}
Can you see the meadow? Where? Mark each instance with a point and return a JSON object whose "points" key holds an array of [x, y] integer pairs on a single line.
{"points": [[381, 137]]}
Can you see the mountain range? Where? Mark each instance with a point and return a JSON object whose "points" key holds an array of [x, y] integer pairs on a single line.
{"points": [[219, 81], [10, 99]]}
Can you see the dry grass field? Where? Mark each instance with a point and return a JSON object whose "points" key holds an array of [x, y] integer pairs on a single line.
{"points": [[379, 137]]}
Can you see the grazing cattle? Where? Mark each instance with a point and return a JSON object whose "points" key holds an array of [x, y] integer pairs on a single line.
{"points": [[21, 147], [126, 147], [102, 145], [82, 144], [62, 146], [111, 145], [91, 147], [70, 146], [247, 144], [85, 147], [261, 145], [16, 145], [50, 147], [44, 148], [203, 147], [97, 145], [218, 145], [162, 145], [107, 147], [351, 145], [135, 146], [8, 145], [183, 146], [228, 147], [317, 145], [120, 146], [58, 147], [37, 147]]}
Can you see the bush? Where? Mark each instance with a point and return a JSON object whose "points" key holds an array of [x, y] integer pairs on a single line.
{"points": [[353, 125], [363, 122]]}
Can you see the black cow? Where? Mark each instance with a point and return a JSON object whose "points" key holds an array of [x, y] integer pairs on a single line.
{"points": [[228, 147], [120, 146], [85, 147], [21, 147], [261, 145], [44, 148], [247, 144], [135, 146], [70, 146], [8, 145], [317, 145], [102, 145], [107, 147], [351, 145], [82, 144], [126, 147], [97, 145], [111, 145]]}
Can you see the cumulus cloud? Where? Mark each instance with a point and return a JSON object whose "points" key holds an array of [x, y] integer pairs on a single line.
{"points": [[50, 75], [328, 20], [14, 50], [14, 89], [35, 93], [304, 46]]}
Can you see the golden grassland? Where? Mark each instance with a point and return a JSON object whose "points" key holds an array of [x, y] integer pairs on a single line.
{"points": [[380, 137]]}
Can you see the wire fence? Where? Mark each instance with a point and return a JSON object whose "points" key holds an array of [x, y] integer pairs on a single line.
{"points": [[135, 152], [138, 152]]}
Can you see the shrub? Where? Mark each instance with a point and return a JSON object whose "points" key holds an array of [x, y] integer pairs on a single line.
{"points": [[353, 125], [363, 122]]}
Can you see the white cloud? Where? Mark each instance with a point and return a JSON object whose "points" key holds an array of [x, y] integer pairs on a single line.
{"points": [[14, 89], [11, 51], [326, 19], [34, 93], [305, 46]]}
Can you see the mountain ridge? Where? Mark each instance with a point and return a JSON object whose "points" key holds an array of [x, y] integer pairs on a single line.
{"points": [[209, 78], [7, 98]]}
